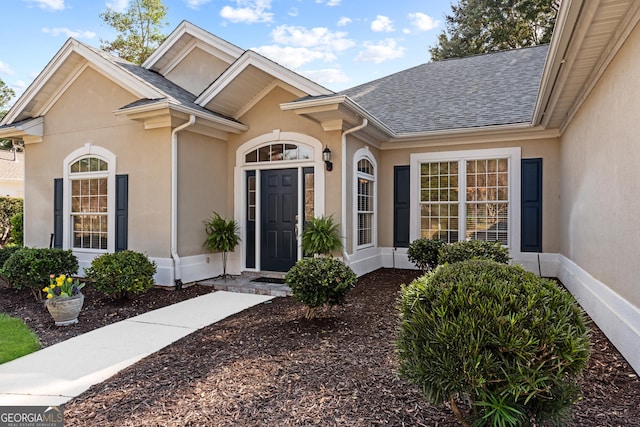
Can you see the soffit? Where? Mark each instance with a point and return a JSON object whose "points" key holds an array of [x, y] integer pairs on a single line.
{"points": [[599, 31]]}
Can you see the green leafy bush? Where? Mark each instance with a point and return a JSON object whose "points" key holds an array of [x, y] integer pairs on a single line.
{"points": [[32, 267], [5, 253], [424, 252], [503, 339], [320, 236], [9, 207], [319, 281], [17, 229], [122, 274], [473, 249]]}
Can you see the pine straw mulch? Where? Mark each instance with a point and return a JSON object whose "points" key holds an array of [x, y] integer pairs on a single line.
{"points": [[269, 366]]}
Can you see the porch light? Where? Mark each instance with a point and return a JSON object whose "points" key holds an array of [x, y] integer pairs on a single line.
{"points": [[326, 156]]}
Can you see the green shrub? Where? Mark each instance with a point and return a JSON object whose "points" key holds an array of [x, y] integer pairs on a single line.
{"points": [[423, 253], [32, 267], [319, 281], [503, 339], [9, 207], [473, 249], [122, 274], [5, 253], [320, 236], [17, 229]]}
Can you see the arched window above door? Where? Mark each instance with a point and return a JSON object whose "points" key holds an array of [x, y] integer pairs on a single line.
{"points": [[277, 152]]}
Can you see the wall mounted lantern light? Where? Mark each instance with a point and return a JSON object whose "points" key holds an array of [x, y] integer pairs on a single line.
{"points": [[326, 156]]}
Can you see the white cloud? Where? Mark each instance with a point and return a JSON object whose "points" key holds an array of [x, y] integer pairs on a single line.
{"points": [[195, 4], [293, 12], [5, 69], [118, 5], [248, 11], [329, 3], [382, 23], [326, 76], [51, 5], [69, 33], [318, 37], [343, 21], [383, 51], [423, 22], [293, 57]]}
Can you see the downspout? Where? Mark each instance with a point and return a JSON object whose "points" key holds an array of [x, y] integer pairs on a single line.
{"points": [[174, 201], [343, 220]]}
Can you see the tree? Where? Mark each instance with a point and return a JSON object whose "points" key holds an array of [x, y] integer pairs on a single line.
{"points": [[481, 26], [138, 27], [6, 94]]}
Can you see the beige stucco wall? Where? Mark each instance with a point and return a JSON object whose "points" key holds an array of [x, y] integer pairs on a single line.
{"points": [[599, 180], [197, 71], [84, 114], [203, 175], [547, 149]]}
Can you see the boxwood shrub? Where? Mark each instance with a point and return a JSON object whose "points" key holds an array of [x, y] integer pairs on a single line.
{"points": [[503, 339], [122, 274], [424, 252], [31, 267], [319, 281], [473, 249]]}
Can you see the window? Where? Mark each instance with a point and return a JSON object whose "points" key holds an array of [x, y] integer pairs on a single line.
{"points": [[468, 195], [278, 152], [365, 200], [89, 203], [93, 202]]}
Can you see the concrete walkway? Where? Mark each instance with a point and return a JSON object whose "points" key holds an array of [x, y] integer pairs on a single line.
{"points": [[56, 374]]}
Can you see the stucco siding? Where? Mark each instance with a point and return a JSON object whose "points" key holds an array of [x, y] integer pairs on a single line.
{"points": [[599, 178], [197, 71], [84, 115]]}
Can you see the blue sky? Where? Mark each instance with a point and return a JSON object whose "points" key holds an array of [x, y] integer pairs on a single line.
{"points": [[337, 43]]}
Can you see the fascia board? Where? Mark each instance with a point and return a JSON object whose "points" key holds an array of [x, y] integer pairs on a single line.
{"points": [[277, 71], [186, 27]]}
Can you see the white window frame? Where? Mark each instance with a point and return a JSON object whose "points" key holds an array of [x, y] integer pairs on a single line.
{"points": [[89, 150], [512, 154], [365, 154]]}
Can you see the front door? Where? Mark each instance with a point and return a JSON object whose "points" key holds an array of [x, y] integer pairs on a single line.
{"points": [[278, 218]]}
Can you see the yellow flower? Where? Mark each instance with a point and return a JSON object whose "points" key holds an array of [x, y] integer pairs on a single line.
{"points": [[49, 296], [46, 289], [69, 280]]}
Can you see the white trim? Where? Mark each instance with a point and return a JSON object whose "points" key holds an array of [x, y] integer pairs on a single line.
{"points": [[240, 203], [617, 317], [364, 154], [513, 154], [95, 151]]}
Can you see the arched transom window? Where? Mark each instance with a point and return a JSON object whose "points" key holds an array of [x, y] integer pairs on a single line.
{"points": [[277, 152], [89, 203]]}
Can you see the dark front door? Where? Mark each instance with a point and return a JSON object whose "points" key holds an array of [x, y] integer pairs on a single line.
{"points": [[279, 201]]}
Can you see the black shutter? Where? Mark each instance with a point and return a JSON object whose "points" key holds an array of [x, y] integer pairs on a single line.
{"points": [[122, 212], [401, 196], [58, 186], [531, 235]]}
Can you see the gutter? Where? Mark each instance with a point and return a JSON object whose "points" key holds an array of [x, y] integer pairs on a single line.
{"points": [[177, 273], [343, 219]]}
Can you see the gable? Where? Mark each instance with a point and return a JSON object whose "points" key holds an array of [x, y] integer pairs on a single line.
{"points": [[71, 111], [196, 70]]}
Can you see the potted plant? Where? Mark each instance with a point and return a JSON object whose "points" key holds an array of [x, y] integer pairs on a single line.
{"points": [[320, 236], [222, 236], [64, 299]]}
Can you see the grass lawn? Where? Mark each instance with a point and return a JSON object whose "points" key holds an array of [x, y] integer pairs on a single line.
{"points": [[16, 339]]}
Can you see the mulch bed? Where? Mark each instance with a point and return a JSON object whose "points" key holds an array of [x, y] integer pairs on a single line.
{"points": [[269, 366]]}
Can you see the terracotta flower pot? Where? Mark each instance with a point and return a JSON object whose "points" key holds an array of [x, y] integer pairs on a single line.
{"points": [[65, 310]]}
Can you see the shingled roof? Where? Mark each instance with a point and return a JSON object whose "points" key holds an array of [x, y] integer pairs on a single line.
{"points": [[484, 90]]}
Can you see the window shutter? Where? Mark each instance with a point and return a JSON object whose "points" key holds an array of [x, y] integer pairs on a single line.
{"points": [[122, 212], [58, 186], [531, 233], [401, 196]]}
